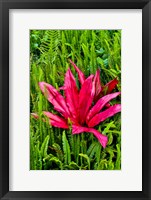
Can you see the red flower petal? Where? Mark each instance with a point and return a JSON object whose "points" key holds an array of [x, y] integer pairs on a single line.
{"points": [[61, 88], [112, 110], [55, 98], [100, 104], [80, 73], [97, 84], [86, 98], [107, 105], [71, 94], [35, 115], [110, 86], [103, 139], [56, 120]]}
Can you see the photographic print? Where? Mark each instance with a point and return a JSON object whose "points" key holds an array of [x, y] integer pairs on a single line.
{"points": [[75, 100]]}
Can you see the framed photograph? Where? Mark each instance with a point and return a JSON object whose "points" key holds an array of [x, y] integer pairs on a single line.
{"points": [[75, 99]]}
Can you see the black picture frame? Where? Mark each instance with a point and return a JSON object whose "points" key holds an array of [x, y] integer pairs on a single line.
{"points": [[5, 5]]}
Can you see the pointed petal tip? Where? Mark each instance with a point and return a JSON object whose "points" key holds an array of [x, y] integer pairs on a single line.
{"points": [[80, 73], [69, 72], [70, 61], [55, 120], [119, 107], [35, 115], [62, 88], [102, 116], [90, 77], [48, 114], [41, 85], [104, 141], [68, 69], [97, 74]]}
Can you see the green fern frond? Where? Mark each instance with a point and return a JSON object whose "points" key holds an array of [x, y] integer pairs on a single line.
{"points": [[66, 149], [44, 147], [92, 149], [58, 150], [87, 159], [57, 161], [118, 159], [38, 158]]}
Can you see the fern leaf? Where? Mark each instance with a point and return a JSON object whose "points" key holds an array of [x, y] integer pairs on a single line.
{"points": [[57, 161], [66, 149], [98, 152], [74, 165], [92, 149], [103, 164], [44, 147], [38, 158], [58, 150], [118, 159], [87, 159]]}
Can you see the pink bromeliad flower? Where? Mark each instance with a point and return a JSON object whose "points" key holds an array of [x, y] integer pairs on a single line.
{"points": [[81, 107]]}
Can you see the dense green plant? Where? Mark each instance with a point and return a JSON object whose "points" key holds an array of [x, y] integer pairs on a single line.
{"points": [[50, 50]]}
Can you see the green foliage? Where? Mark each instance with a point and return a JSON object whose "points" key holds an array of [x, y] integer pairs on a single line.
{"points": [[66, 149], [35, 154], [56, 149], [86, 157], [44, 147]]}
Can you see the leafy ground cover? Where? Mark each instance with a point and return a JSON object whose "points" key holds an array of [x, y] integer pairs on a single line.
{"points": [[55, 148]]}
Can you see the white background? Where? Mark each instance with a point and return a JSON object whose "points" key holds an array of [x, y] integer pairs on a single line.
{"points": [[129, 178]]}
